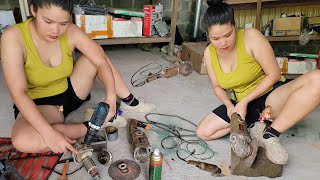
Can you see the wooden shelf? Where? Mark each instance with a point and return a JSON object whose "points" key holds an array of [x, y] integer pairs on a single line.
{"points": [[170, 39], [251, 4], [245, 1], [291, 38], [137, 40]]}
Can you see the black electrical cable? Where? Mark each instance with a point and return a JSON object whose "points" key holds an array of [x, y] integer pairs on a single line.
{"points": [[175, 133], [44, 167], [144, 72]]}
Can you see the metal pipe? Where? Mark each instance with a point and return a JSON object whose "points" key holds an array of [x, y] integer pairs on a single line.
{"points": [[197, 18]]}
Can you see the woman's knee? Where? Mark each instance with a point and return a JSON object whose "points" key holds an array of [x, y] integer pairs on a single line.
{"points": [[200, 134], [314, 79], [26, 139], [18, 141], [211, 135], [84, 64], [209, 126]]}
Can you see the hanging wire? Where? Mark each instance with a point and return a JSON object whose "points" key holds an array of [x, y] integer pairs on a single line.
{"points": [[187, 144]]}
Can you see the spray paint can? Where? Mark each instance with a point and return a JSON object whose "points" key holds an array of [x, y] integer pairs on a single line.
{"points": [[155, 167]]}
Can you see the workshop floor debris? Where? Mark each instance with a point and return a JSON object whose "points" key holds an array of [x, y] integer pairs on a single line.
{"points": [[191, 98]]}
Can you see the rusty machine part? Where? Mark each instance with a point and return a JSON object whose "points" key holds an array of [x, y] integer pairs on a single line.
{"points": [[214, 169], [141, 146], [241, 143], [170, 72], [152, 77], [247, 157], [181, 67], [105, 157], [84, 156], [124, 169], [185, 68]]}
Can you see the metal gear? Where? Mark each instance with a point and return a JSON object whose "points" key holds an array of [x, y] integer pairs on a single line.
{"points": [[124, 170]]}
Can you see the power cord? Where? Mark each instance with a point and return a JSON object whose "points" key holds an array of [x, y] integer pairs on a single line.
{"points": [[185, 143], [144, 72]]}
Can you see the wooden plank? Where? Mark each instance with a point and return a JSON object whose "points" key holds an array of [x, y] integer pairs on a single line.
{"points": [[274, 4], [258, 14], [291, 38], [290, 3], [136, 40], [174, 17]]}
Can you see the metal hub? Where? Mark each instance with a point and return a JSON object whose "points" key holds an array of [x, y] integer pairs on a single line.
{"points": [[124, 169]]}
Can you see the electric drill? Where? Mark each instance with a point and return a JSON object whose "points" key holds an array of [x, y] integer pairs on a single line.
{"points": [[97, 119]]}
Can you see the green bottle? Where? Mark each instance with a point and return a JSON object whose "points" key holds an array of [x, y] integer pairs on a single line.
{"points": [[155, 167]]}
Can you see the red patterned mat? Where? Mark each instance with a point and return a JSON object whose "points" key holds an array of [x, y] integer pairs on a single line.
{"points": [[29, 165]]}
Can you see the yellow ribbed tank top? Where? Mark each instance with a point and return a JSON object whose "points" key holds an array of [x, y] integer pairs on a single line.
{"points": [[44, 81], [247, 75]]}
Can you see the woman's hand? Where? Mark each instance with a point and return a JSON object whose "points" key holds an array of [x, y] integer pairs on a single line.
{"points": [[112, 110], [240, 108], [58, 143], [229, 110]]}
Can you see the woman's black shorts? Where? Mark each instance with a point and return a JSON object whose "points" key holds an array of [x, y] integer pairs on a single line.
{"points": [[68, 99], [253, 109]]}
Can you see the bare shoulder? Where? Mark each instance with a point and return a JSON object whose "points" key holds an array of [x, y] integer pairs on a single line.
{"points": [[207, 50], [12, 43], [11, 34], [207, 54], [254, 40], [252, 33], [76, 35], [73, 34], [73, 28]]}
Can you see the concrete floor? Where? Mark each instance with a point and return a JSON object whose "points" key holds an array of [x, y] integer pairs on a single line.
{"points": [[192, 98]]}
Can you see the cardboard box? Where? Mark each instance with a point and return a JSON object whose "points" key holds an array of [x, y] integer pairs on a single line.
{"points": [[127, 28], [301, 67], [313, 20], [279, 33], [289, 26], [193, 51], [95, 26], [152, 14]]}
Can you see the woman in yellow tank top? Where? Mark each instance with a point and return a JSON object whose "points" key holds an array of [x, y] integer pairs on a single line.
{"points": [[243, 62], [45, 85]]}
